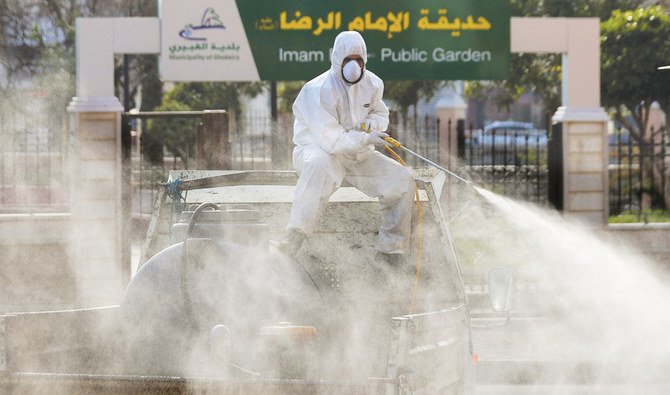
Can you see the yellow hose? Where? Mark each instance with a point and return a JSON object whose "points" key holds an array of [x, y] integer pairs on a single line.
{"points": [[419, 234]]}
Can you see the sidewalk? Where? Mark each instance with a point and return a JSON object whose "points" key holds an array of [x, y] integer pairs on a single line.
{"points": [[528, 350], [548, 352]]}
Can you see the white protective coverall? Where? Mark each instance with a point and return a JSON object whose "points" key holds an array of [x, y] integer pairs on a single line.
{"points": [[329, 148]]}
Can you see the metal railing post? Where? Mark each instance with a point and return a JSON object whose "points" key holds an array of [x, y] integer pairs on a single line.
{"points": [[460, 142], [555, 166], [214, 148]]}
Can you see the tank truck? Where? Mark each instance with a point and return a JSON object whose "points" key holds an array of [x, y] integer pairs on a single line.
{"points": [[216, 307]]}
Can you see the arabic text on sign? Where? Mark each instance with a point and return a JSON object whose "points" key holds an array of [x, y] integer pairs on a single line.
{"points": [[334, 21], [392, 23], [299, 23], [456, 26]]}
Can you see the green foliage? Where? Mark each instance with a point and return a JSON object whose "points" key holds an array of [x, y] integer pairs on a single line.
{"points": [[198, 96], [584, 8], [179, 135], [629, 217], [634, 43], [287, 91], [541, 73], [37, 45]]}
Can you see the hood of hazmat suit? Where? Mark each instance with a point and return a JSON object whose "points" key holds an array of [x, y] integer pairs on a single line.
{"points": [[329, 110]]}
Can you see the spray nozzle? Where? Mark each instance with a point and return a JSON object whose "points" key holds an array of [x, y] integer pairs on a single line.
{"points": [[396, 144]]}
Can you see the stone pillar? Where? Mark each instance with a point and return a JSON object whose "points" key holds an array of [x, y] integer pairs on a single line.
{"points": [[96, 193], [585, 146], [585, 174], [654, 135], [96, 206]]}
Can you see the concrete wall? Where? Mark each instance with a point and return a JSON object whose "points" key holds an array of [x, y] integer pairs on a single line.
{"points": [[71, 260], [652, 240], [36, 269]]}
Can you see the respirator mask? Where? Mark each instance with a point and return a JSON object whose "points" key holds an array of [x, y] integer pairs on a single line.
{"points": [[352, 72]]}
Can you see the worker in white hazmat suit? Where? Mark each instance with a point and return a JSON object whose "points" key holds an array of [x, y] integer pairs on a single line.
{"points": [[339, 118]]}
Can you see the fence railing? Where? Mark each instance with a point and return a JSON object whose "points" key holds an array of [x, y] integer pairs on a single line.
{"points": [[34, 173], [34, 176], [638, 172], [261, 143], [420, 134], [509, 161]]}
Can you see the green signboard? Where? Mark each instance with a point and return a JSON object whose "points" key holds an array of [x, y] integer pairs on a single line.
{"points": [[406, 40], [246, 40]]}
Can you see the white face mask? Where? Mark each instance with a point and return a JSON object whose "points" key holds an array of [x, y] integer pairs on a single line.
{"points": [[352, 72]]}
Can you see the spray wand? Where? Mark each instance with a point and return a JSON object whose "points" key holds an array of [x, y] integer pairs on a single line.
{"points": [[396, 144]]}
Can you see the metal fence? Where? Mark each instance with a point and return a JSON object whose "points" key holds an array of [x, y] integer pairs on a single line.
{"points": [[508, 161], [420, 134], [261, 143], [638, 172], [34, 173], [34, 176]]}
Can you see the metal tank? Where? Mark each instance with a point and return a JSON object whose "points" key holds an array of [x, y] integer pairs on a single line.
{"points": [[221, 283]]}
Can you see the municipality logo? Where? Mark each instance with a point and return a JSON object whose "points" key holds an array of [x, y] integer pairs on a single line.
{"points": [[210, 21]]}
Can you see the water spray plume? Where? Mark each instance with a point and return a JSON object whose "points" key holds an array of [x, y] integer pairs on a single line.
{"points": [[593, 300]]}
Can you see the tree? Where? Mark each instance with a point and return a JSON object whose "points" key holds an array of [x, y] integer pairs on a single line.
{"points": [[634, 44], [179, 135], [37, 46], [213, 95], [538, 74], [541, 73], [38, 36]]}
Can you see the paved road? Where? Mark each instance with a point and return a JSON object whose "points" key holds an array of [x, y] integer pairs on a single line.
{"points": [[572, 389], [547, 354]]}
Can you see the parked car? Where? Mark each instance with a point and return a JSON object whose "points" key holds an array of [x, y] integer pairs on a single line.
{"points": [[507, 142], [622, 136], [509, 133]]}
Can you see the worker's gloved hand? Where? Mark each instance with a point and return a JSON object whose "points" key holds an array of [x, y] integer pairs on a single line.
{"points": [[369, 125], [377, 137]]}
